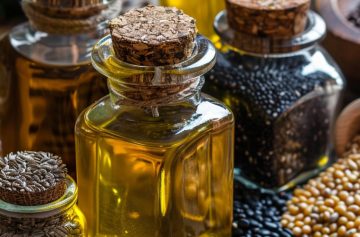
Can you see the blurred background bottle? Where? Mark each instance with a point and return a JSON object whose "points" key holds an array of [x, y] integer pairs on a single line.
{"points": [[204, 11]]}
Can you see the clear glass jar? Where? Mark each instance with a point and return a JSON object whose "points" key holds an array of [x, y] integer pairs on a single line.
{"points": [[59, 218], [162, 167], [52, 79], [284, 94]]}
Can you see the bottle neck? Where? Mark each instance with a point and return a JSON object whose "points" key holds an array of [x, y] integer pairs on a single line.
{"points": [[54, 17], [155, 95], [255, 45], [149, 86]]}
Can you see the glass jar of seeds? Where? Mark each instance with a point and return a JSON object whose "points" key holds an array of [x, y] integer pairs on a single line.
{"points": [[37, 197], [282, 87]]}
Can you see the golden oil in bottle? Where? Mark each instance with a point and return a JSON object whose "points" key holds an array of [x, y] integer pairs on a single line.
{"points": [[155, 157]]}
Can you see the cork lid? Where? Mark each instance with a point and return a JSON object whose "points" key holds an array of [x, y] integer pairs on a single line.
{"points": [[268, 18], [153, 36], [31, 178]]}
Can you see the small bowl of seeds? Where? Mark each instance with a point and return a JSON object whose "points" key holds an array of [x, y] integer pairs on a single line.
{"points": [[342, 18]]}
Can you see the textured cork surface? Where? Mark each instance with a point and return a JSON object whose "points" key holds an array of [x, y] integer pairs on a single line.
{"points": [[268, 18], [31, 178], [153, 36]]}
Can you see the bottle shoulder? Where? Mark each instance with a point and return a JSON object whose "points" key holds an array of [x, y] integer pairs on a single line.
{"points": [[175, 122], [310, 62], [56, 50]]}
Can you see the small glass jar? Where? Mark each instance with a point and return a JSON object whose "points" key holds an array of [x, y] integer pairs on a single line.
{"points": [[59, 218], [159, 159], [284, 94]]}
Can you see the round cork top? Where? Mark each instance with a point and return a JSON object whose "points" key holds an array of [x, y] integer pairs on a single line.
{"points": [[268, 18], [31, 178], [153, 36]]}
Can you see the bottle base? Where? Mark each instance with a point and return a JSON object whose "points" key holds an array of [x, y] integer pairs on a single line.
{"points": [[298, 180]]}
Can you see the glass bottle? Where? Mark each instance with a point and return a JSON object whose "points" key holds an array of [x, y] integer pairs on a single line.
{"points": [[204, 11], [284, 94], [163, 170], [52, 79], [59, 218]]}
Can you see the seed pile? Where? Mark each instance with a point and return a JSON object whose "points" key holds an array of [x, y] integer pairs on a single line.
{"points": [[58, 226], [354, 17], [328, 205], [31, 178], [272, 146], [258, 214], [29, 171]]}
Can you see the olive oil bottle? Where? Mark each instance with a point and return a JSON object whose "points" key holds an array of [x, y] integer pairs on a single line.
{"points": [[51, 77], [155, 157]]}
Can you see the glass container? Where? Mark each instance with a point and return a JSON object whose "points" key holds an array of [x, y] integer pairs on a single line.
{"points": [[52, 79], [204, 15], [164, 169], [284, 94], [59, 218]]}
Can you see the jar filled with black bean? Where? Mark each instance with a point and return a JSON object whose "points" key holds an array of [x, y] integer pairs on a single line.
{"points": [[282, 86]]}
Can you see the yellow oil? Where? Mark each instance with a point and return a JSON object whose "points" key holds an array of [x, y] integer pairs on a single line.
{"points": [[43, 103], [170, 176], [204, 11]]}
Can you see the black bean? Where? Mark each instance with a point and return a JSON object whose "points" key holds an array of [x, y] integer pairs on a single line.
{"points": [[260, 213]]}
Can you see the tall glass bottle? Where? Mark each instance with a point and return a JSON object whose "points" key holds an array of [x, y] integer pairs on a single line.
{"points": [[282, 87], [157, 153], [52, 80], [204, 11]]}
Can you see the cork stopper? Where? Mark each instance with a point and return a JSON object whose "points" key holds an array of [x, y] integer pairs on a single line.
{"points": [[31, 178], [268, 18], [153, 36]]}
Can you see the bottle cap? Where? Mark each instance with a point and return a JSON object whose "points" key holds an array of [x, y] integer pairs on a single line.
{"points": [[31, 178], [153, 36], [268, 18]]}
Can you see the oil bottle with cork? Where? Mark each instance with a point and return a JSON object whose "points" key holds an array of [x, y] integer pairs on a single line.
{"points": [[157, 153], [282, 87], [49, 78]]}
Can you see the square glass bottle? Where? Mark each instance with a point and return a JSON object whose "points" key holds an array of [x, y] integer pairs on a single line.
{"points": [[157, 154], [283, 88]]}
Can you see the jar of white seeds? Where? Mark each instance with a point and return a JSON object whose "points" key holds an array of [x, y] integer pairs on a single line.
{"points": [[37, 197]]}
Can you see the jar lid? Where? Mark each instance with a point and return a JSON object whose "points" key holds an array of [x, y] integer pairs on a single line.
{"points": [[314, 31]]}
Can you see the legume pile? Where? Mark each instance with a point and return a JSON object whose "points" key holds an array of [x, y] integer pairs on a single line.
{"points": [[329, 205], [354, 17], [258, 214]]}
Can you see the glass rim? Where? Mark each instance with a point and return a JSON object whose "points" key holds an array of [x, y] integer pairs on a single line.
{"points": [[42, 211], [201, 61], [314, 32], [60, 4]]}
